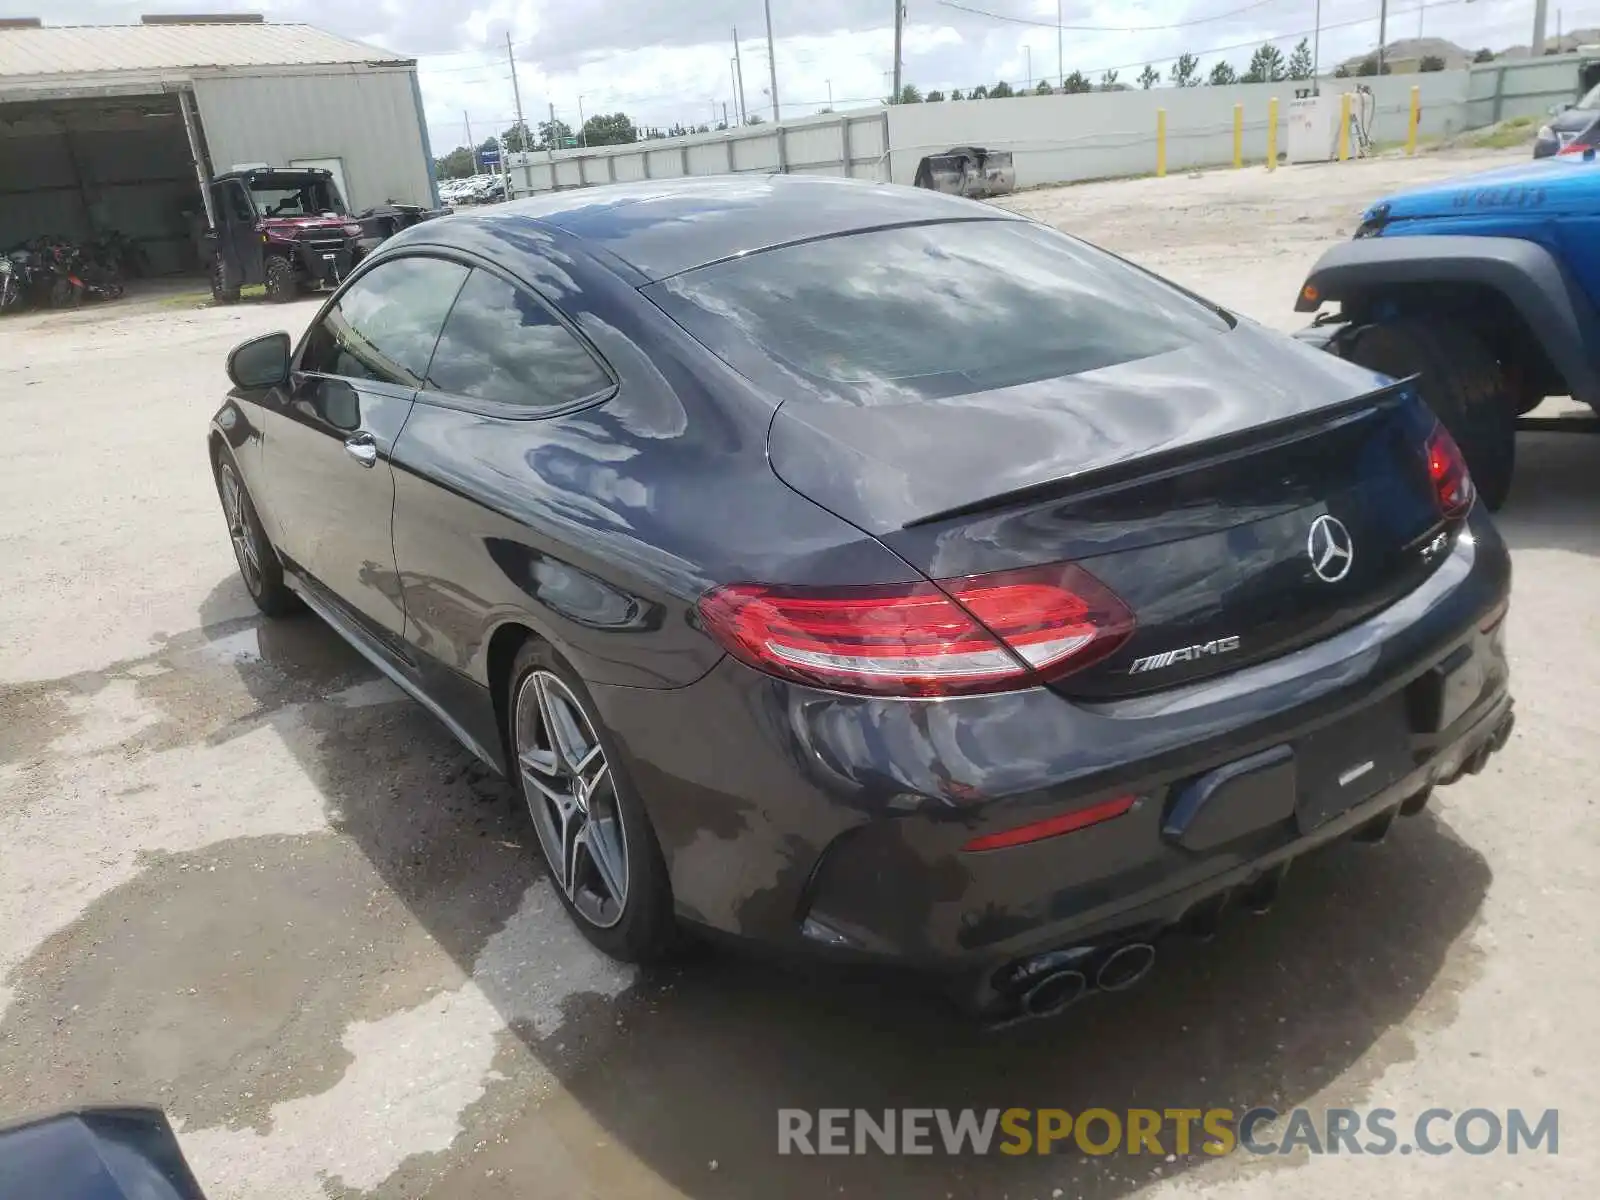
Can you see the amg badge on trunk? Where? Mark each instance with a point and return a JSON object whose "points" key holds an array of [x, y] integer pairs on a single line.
{"points": [[1155, 662]]}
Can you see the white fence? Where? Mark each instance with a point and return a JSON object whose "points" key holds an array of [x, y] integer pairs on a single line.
{"points": [[850, 143], [1064, 139]]}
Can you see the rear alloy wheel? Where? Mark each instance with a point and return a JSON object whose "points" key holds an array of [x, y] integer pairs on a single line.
{"points": [[1461, 382], [596, 838], [280, 280], [258, 561]]}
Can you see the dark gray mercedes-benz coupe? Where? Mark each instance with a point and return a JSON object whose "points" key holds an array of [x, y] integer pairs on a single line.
{"points": [[872, 572]]}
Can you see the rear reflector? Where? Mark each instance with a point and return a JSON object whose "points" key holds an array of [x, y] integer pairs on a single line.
{"points": [[1447, 471], [981, 633], [1053, 826]]}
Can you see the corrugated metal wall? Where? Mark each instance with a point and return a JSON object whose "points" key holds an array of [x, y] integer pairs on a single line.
{"points": [[365, 116]]}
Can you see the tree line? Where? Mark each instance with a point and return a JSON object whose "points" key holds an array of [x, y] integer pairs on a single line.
{"points": [[1267, 65], [602, 129]]}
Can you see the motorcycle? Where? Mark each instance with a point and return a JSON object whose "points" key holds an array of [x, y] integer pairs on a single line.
{"points": [[74, 279], [21, 277]]}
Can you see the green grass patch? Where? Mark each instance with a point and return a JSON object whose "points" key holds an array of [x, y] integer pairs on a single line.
{"points": [[1506, 135]]}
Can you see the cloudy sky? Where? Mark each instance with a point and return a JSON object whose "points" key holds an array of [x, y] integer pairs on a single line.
{"points": [[663, 61]]}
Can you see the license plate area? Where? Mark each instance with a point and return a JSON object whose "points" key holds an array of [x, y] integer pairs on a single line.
{"points": [[1352, 759]]}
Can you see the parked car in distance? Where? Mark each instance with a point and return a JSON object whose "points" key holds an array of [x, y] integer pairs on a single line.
{"points": [[1566, 124], [874, 574], [1486, 286]]}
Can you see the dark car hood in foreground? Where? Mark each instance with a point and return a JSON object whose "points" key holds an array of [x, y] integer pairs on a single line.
{"points": [[883, 467]]}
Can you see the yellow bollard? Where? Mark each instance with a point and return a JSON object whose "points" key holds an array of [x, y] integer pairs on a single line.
{"points": [[1344, 126], [1238, 136], [1416, 118], [1272, 134], [1161, 142]]}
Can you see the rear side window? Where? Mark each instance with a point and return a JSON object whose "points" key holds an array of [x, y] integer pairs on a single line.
{"points": [[384, 326], [502, 345], [892, 315]]}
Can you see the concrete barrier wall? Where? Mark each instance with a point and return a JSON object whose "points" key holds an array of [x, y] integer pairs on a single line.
{"points": [[1527, 87], [1064, 139], [1102, 135], [830, 144]]}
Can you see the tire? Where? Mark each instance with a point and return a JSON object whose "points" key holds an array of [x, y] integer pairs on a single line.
{"points": [[64, 295], [221, 291], [1461, 382], [282, 286], [259, 565], [605, 822]]}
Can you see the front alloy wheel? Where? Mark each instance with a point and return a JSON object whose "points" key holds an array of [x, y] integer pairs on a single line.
{"points": [[572, 796], [258, 561], [240, 530]]}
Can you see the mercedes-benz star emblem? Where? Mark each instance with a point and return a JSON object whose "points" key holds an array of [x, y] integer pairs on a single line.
{"points": [[1330, 549]]}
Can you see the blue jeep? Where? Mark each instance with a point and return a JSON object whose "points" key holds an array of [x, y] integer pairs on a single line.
{"points": [[1488, 287]]}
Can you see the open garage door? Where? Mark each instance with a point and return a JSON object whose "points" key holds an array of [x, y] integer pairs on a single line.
{"points": [[84, 168]]}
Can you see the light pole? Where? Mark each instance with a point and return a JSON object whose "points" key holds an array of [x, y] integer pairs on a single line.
{"points": [[1028, 50], [1316, 51], [583, 138], [1061, 61], [829, 82]]}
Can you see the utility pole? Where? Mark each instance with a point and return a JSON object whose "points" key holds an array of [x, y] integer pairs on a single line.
{"points": [[1061, 60], [471, 145], [583, 138], [1383, 28], [1316, 51], [1028, 50], [725, 113], [772, 60], [899, 25], [522, 126], [550, 144], [738, 77], [1540, 14], [829, 82]]}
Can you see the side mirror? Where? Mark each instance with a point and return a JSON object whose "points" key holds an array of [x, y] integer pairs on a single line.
{"points": [[261, 362], [95, 1154]]}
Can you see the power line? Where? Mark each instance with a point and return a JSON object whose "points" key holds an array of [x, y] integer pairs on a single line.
{"points": [[983, 12]]}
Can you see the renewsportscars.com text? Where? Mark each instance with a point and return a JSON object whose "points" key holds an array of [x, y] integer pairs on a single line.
{"points": [[1182, 1131]]}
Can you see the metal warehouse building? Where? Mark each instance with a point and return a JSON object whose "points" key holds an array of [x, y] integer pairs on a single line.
{"points": [[113, 128]]}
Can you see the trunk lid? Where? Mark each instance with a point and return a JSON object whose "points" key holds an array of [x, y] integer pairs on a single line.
{"points": [[1204, 487]]}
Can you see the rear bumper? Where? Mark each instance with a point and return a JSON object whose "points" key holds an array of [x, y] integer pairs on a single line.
{"points": [[835, 824]]}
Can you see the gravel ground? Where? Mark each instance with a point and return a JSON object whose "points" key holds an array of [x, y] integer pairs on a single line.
{"points": [[244, 878]]}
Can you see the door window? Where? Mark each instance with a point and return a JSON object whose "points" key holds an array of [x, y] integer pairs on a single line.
{"points": [[238, 203], [502, 345], [384, 326]]}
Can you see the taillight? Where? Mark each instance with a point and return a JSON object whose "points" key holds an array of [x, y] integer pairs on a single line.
{"points": [[980, 633], [1447, 471]]}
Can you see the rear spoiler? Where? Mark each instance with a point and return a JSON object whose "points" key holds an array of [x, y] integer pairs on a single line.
{"points": [[1178, 459]]}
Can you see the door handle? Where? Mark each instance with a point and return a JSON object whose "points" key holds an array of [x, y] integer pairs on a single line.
{"points": [[362, 448]]}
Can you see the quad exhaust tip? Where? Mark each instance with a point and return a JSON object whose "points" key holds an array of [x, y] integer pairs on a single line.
{"points": [[1125, 967], [1056, 991]]}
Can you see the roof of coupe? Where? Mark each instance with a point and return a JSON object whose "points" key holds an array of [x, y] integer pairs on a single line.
{"points": [[662, 228]]}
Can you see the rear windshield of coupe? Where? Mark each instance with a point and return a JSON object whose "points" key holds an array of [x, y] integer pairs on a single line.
{"points": [[936, 310]]}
